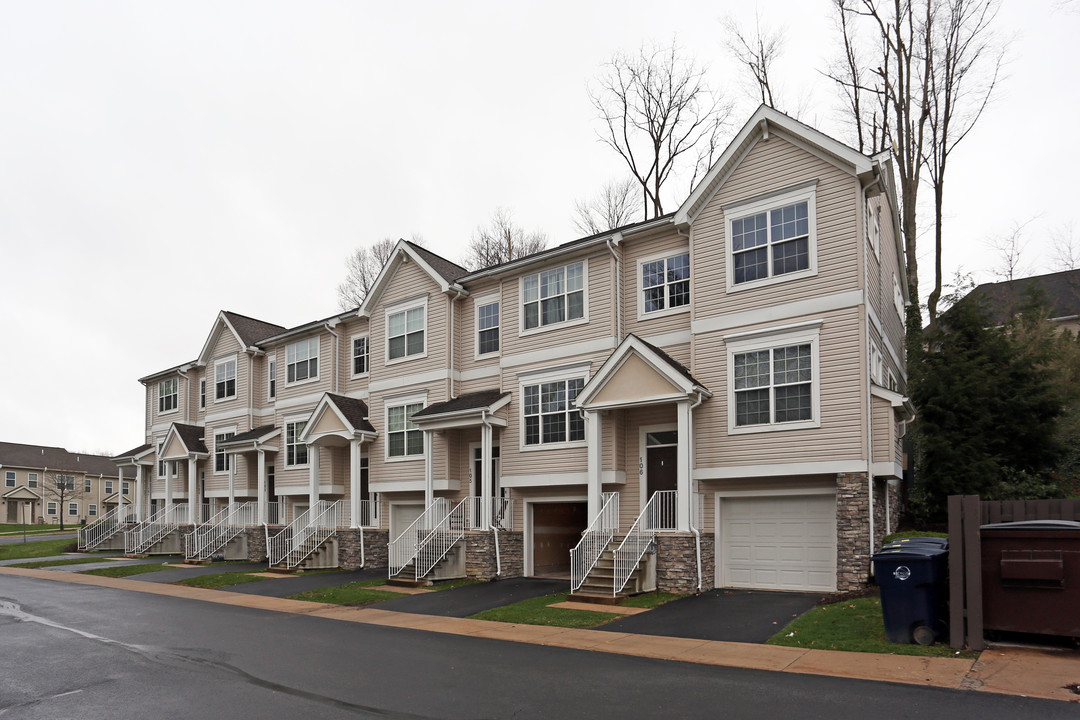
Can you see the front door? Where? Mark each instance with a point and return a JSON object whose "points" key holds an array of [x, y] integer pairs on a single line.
{"points": [[661, 473], [13, 511], [477, 469]]}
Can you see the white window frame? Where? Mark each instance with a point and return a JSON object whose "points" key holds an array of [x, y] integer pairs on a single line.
{"points": [[876, 364], [305, 418], [317, 342], [773, 201], [50, 508], [202, 394], [73, 509], [522, 332], [32, 480], [366, 337], [86, 484], [91, 510], [758, 340], [271, 377], [395, 402], [236, 378], [159, 444], [125, 487], [175, 395], [228, 457], [108, 487], [898, 297], [642, 314], [404, 307], [9, 478], [537, 377], [873, 228], [483, 301]]}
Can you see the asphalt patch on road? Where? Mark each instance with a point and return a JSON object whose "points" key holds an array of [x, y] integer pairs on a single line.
{"points": [[470, 599], [746, 616]]}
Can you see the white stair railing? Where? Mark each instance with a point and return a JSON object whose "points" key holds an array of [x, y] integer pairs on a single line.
{"points": [[230, 522], [105, 527], [191, 539], [145, 534], [402, 549], [657, 515], [438, 542], [305, 534], [273, 513], [502, 514], [594, 540]]}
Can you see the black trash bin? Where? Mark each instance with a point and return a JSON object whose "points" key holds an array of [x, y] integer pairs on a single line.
{"points": [[913, 581]]}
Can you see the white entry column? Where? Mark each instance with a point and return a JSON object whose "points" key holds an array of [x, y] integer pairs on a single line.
{"points": [[485, 477], [192, 491], [232, 480], [682, 467], [354, 484], [313, 487], [261, 490], [595, 450], [429, 469], [139, 497]]}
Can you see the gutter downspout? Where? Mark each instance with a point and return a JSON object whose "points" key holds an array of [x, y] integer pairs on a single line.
{"points": [[491, 526], [458, 293], [611, 243], [187, 394], [337, 338], [869, 381], [696, 530]]}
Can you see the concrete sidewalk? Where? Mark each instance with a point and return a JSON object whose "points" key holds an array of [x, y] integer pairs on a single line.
{"points": [[1013, 671]]}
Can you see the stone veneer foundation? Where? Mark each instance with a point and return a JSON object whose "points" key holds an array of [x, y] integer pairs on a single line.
{"points": [[480, 561], [853, 530], [676, 562]]}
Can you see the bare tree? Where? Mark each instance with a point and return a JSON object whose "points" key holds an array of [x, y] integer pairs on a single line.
{"points": [[660, 116], [756, 52], [1066, 249], [864, 101], [1010, 250], [617, 204], [62, 488], [965, 66], [362, 268], [502, 240]]}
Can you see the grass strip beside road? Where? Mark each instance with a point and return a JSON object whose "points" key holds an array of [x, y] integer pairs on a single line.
{"points": [[361, 592], [535, 611], [220, 580], [55, 563], [121, 571], [40, 548], [853, 626]]}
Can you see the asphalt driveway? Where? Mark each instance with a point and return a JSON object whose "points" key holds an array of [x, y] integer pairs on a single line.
{"points": [[748, 616], [471, 599]]}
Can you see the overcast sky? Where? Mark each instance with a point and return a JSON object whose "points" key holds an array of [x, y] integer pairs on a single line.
{"points": [[162, 161]]}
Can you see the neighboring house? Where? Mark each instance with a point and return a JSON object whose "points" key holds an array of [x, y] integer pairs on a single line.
{"points": [[742, 357], [93, 481], [1058, 292]]}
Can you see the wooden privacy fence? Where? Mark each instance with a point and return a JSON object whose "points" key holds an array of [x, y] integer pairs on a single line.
{"points": [[966, 515]]}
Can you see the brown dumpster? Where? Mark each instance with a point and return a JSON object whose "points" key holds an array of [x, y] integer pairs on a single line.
{"points": [[1031, 577]]}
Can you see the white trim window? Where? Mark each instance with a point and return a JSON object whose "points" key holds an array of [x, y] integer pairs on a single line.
{"points": [[548, 413], [361, 356], [772, 239], [271, 377], [31, 480], [302, 361], [86, 484], [222, 459], [202, 394], [898, 297], [161, 468], [554, 296], [225, 379], [91, 510], [73, 509], [125, 487], [773, 380], [50, 508], [487, 327], [406, 332], [108, 487], [66, 482], [168, 395], [9, 478], [876, 365], [665, 284], [873, 228], [404, 438], [296, 452]]}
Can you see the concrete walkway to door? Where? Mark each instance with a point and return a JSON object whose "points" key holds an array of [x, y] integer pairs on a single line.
{"points": [[746, 616]]}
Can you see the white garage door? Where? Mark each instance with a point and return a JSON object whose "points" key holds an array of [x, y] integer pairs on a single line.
{"points": [[779, 543]]}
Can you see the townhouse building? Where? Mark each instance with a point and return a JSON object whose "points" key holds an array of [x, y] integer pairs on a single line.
{"points": [[714, 397], [93, 485]]}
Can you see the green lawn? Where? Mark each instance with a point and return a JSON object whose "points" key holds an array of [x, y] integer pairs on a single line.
{"points": [[649, 600], [536, 611], [451, 584], [126, 570], [6, 530], [855, 626], [40, 548], [362, 592], [220, 580], [55, 563]]}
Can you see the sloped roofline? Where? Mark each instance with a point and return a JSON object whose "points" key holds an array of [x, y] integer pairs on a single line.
{"points": [[659, 361], [403, 252]]}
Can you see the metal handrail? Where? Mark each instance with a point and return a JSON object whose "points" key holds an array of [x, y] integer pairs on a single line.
{"points": [[277, 546], [594, 540], [402, 549], [145, 534], [208, 539], [433, 548], [369, 515], [306, 534], [657, 515], [190, 539], [502, 513], [105, 527]]}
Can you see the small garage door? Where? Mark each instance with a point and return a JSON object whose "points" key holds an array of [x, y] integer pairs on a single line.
{"points": [[556, 529], [779, 543], [401, 517]]}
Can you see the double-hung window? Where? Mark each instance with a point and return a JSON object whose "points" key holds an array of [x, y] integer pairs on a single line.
{"points": [[202, 394], [296, 452], [772, 239], [31, 479], [487, 328], [50, 508], [108, 487], [9, 478], [225, 379], [403, 437], [665, 284], [125, 487], [774, 380], [162, 468], [549, 413], [73, 509], [222, 459], [86, 485], [360, 355], [405, 333], [553, 296], [91, 510], [302, 360], [66, 482], [167, 395], [271, 374]]}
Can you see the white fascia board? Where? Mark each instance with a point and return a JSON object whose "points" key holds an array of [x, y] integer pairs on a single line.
{"points": [[220, 321], [401, 249], [616, 360]]}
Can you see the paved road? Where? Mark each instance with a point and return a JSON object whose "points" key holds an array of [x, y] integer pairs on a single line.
{"points": [[10, 539], [88, 652]]}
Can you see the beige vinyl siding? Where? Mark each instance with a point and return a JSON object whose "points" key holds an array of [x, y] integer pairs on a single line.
{"points": [[884, 429], [843, 427], [770, 166], [465, 326], [304, 388], [348, 330], [410, 282], [632, 460], [889, 266], [632, 253]]}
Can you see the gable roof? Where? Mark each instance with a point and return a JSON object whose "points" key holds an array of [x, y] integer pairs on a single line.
{"points": [[246, 330], [443, 272], [355, 411], [56, 458], [254, 434], [682, 382], [1059, 291], [190, 435], [447, 269], [480, 400], [759, 124]]}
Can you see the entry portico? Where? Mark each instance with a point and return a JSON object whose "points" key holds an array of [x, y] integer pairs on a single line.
{"points": [[141, 458], [638, 374], [186, 442], [339, 421]]}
